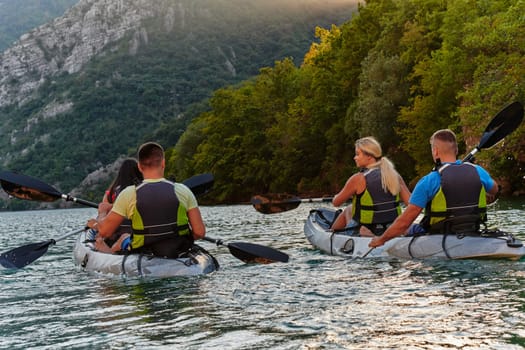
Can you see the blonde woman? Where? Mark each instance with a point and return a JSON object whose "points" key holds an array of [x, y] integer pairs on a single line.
{"points": [[376, 191]]}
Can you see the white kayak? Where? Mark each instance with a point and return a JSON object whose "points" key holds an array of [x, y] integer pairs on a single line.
{"points": [[489, 244], [195, 262]]}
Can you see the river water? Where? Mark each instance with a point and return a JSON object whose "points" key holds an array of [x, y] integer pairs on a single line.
{"points": [[315, 301]]}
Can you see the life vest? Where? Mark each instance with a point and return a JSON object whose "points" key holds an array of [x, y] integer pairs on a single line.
{"points": [[375, 206], [461, 193], [160, 222]]}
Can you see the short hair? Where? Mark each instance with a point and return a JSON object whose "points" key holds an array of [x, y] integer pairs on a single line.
{"points": [[447, 138], [150, 154]]}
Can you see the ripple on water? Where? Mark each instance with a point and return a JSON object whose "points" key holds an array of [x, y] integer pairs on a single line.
{"points": [[315, 301]]}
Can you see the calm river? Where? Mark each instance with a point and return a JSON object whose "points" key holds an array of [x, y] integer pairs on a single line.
{"points": [[315, 301]]}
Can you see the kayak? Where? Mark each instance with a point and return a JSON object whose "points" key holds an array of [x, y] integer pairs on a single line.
{"points": [[488, 244], [196, 262]]}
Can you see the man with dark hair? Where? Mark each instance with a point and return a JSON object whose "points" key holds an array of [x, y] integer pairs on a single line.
{"points": [[165, 215], [454, 192]]}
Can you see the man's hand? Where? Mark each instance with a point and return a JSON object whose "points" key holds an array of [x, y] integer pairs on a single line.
{"points": [[376, 242]]}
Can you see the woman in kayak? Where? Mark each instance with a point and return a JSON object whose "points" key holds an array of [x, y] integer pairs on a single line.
{"points": [[376, 191], [128, 175]]}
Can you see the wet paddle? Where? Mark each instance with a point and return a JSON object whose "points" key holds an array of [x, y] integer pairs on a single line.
{"points": [[272, 204], [26, 254], [506, 121], [28, 188], [252, 253]]}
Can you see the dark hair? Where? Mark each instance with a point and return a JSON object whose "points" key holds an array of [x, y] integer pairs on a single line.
{"points": [[128, 175], [150, 154]]}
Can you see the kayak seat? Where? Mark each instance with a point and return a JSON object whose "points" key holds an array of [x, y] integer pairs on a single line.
{"points": [[465, 224], [326, 217]]}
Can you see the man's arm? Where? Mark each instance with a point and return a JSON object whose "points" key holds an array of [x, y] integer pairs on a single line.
{"points": [[398, 227], [197, 224], [107, 225]]}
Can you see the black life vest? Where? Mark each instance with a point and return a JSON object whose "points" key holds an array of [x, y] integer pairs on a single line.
{"points": [[160, 222], [375, 205], [461, 194]]}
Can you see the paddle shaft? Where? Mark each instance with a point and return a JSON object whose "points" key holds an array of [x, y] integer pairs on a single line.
{"points": [[72, 233], [87, 203]]}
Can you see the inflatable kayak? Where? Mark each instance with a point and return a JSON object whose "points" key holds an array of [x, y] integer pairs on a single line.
{"points": [[490, 244], [197, 262]]}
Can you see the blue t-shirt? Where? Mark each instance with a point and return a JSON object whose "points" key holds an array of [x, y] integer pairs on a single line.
{"points": [[428, 186]]}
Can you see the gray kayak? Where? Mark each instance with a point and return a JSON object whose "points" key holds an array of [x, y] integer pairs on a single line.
{"points": [[489, 244], [196, 262]]}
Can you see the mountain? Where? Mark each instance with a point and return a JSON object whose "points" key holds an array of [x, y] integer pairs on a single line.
{"points": [[85, 89], [19, 16]]}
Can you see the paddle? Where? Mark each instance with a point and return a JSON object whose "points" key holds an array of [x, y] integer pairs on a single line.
{"points": [[271, 204], [28, 188], [26, 254], [252, 253], [506, 121]]}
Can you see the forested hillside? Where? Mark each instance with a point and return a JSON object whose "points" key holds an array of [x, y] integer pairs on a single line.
{"points": [[20, 16], [399, 70], [91, 86]]}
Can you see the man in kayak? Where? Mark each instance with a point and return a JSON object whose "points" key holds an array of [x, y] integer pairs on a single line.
{"points": [[454, 193], [164, 215], [376, 190]]}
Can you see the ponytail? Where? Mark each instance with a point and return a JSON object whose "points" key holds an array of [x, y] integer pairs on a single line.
{"points": [[389, 176]]}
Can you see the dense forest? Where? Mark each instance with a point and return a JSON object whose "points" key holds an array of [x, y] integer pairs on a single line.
{"points": [[19, 16], [399, 70]]}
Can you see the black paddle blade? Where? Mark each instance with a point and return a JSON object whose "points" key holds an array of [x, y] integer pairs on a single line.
{"points": [[25, 255], [27, 187], [200, 184], [273, 204], [255, 253], [505, 122]]}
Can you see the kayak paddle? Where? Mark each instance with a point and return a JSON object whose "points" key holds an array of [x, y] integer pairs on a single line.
{"points": [[272, 204], [27, 187], [506, 121], [252, 253], [26, 254]]}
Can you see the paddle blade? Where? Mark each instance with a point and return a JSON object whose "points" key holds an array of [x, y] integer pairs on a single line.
{"points": [[27, 187], [200, 184], [24, 255], [255, 253], [505, 122], [273, 204]]}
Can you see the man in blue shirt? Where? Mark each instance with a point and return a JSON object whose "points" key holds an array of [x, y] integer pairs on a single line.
{"points": [[452, 189]]}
